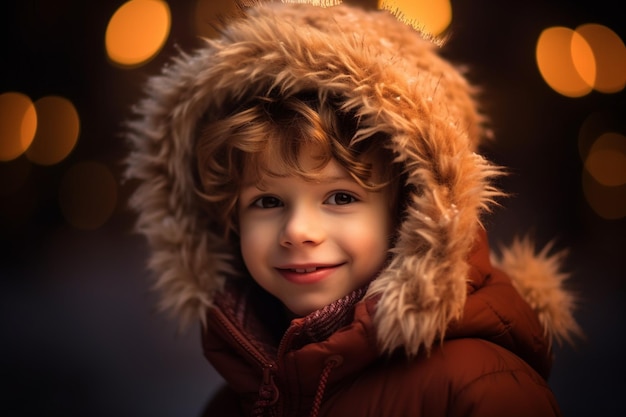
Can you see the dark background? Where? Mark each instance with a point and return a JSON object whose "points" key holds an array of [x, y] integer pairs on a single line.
{"points": [[78, 331]]}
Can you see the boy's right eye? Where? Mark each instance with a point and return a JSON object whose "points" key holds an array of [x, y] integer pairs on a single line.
{"points": [[267, 202]]}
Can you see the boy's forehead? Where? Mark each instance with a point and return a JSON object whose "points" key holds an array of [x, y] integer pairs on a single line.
{"points": [[272, 161], [314, 162], [329, 171], [332, 172]]}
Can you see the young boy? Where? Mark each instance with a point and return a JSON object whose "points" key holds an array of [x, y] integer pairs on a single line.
{"points": [[311, 193]]}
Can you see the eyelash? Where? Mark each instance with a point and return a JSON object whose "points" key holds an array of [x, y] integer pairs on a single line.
{"points": [[276, 202], [350, 196], [258, 203]]}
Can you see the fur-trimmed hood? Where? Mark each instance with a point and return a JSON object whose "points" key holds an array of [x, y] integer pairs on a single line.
{"points": [[393, 78]]}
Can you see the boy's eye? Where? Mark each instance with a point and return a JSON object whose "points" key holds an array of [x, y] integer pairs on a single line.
{"points": [[267, 202], [340, 199]]}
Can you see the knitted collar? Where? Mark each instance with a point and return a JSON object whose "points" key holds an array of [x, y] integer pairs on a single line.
{"points": [[322, 323], [263, 320]]}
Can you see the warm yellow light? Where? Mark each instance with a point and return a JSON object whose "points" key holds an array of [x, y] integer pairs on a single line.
{"points": [[594, 126], [604, 176], [607, 159], [431, 16], [88, 195], [583, 59], [137, 31], [18, 124], [610, 57], [556, 64], [58, 126]]}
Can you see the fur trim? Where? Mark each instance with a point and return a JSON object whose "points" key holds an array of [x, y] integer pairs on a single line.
{"points": [[424, 287], [394, 80], [539, 279]]}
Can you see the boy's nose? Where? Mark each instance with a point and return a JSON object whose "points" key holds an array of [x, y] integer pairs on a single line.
{"points": [[301, 227]]}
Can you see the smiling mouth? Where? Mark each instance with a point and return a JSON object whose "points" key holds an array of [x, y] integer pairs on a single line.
{"points": [[307, 274], [308, 269], [303, 270]]}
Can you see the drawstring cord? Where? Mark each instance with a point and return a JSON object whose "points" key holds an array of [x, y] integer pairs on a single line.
{"points": [[268, 392], [331, 363]]}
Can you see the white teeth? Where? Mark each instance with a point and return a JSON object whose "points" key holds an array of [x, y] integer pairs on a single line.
{"points": [[303, 270]]}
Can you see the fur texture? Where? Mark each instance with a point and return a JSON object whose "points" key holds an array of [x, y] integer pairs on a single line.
{"points": [[539, 279], [393, 78]]}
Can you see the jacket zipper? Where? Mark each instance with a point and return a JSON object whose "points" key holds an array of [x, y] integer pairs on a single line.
{"points": [[268, 391], [285, 342]]}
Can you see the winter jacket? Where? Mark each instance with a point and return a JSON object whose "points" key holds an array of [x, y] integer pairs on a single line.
{"points": [[440, 331]]}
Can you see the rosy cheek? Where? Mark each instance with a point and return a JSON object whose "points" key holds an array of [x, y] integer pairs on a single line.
{"points": [[248, 242], [255, 241]]}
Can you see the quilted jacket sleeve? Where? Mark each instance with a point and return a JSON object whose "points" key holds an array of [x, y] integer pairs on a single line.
{"points": [[491, 381], [511, 393], [461, 378]]}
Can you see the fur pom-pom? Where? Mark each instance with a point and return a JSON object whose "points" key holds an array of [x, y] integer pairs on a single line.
{"points": [[539, 278]]}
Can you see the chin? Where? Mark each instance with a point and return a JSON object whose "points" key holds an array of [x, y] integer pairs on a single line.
{"points": [[301, 310]]}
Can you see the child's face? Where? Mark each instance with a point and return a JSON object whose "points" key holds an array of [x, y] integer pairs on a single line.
{"points": [[310, 243]]}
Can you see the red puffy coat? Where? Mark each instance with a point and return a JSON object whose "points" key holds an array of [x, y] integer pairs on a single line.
{"points": [[439, 332], [492, 362]]}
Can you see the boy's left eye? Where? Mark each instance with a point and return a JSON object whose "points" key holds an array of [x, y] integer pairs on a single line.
{"points": [[267, 202], [340, 199]]}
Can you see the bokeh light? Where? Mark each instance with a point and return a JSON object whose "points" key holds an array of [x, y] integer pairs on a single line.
{"points": [[594, 126], [18, 123], [432, 16], [137, 31], [556, 49], [58, 126], [610, 57], [88, 195], [575, 62], [583, 59], [607, 202], [603, 152], [606, 161]]}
